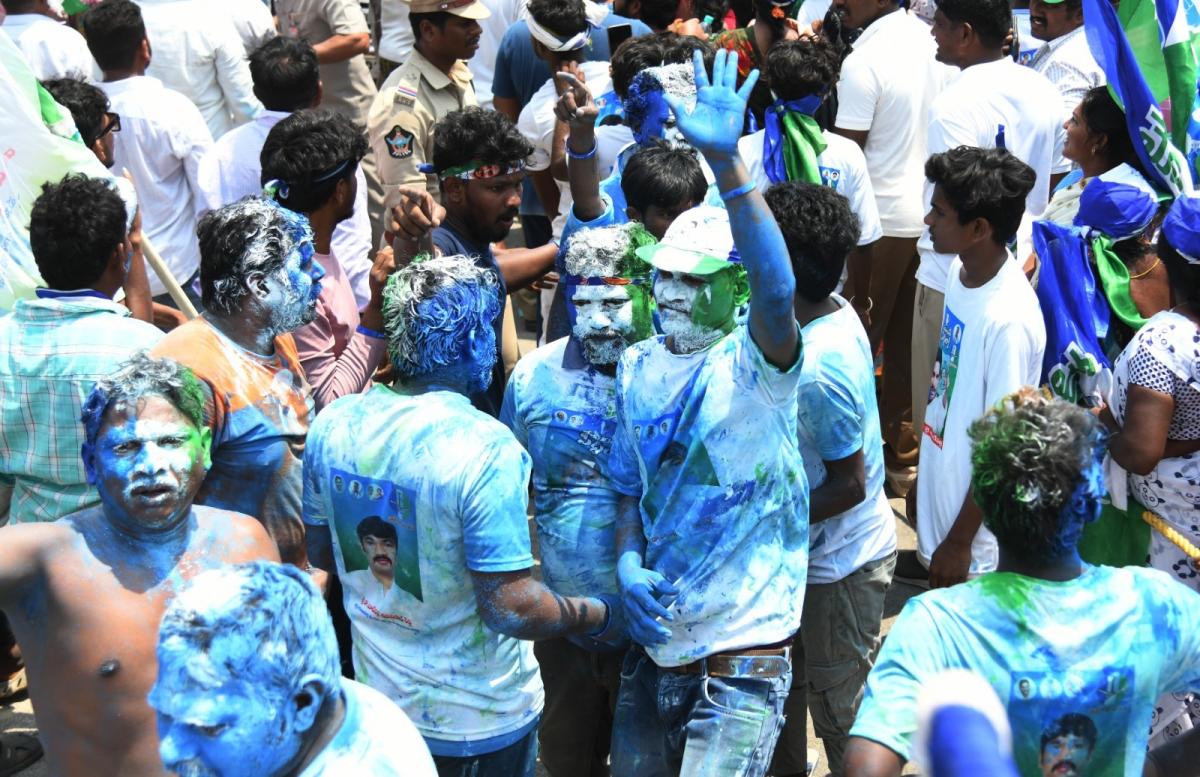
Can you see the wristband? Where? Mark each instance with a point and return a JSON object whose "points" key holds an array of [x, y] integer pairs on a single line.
{"points": [[362, 330], [584, 155], [744, 189]]}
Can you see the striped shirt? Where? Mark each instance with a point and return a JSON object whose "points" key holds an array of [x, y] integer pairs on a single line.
{"points": [[52, 351]]}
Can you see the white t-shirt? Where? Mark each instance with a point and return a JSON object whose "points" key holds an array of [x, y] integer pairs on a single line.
{"points": [[970, 112], [611, 140], [537, 121], [991, 345], [452, 484], [838, 415], [199, 54], [375, 738], [843, 169], [162, 141], [52, 49], [253, 22], [233, 170], [887, 86], [812, 11], [707, 441], [505, 13], [395, 33]]}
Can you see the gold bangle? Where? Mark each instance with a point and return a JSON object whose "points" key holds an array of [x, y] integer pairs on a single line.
{"points": [[1148, 270]]}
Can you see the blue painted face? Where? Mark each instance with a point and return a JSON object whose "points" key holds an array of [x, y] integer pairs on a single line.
{"points": [[246, 726], [295, 289], [148, 463]]}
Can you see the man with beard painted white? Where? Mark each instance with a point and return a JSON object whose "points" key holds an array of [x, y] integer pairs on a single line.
{"points": [[561, 405], [259, 282]]}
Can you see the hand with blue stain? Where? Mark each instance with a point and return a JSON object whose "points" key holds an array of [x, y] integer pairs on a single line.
{"points": [[642, 592], [250, 684], [85, 594], [714, 128]]}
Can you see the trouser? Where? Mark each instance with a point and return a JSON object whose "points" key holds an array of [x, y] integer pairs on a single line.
{"points": [[517, 760], [699, 725], [831, 657], [893, 294], [581, 696], [926, 333]]}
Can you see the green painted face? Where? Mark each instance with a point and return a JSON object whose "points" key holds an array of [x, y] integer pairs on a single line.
{"points": [[643, 310], [718, 300]]}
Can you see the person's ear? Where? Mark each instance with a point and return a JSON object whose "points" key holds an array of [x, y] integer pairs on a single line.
{"points": [[146, 53], [741, 286], [308, 700], [634, 214], [455, 190], [979, 229], [256, 284], [320, 94], [88, 453], [206, 445], [97, 148]]}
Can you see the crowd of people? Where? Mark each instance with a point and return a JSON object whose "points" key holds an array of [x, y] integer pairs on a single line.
{"points": [[280, 495]]}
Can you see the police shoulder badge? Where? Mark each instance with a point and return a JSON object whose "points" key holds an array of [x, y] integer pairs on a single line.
{"points": [[399, 143]]}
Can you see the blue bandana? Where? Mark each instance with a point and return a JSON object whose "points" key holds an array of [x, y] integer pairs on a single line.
{"points": [[1181, 227], [1118, 203]]}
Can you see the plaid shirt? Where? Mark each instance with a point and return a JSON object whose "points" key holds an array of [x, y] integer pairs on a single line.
{"points": [[52, 351]]}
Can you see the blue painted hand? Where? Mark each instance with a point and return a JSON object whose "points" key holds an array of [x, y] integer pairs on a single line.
{"points": [[716, 123], [641, 589], [615, 631]]}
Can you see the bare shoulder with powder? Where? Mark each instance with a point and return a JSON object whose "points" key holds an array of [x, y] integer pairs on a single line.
{"points": [[231, 536]]}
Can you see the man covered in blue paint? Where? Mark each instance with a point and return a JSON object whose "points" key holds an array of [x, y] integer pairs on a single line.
{"points": [[1055, 638], [712, 528], [448, 644], [249, 683], [561, 405], [85, 593]]}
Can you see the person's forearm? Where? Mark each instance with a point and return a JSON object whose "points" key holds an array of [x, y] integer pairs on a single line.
{"points": [[137, 289], [526, 609], [858, 276], [584, 174], [509, 106], [1176, 448], [967, 524], [834, 497], [288, 534], [522, 266], [546, 189], [630, 539], [1133, 454], [558, 152], [318, 541], [340, 48]]}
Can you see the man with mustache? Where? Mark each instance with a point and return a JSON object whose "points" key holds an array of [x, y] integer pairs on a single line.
{"points": [[1064, 58], [1067, 746], [259, 281], [377, 538], [85, 593]]}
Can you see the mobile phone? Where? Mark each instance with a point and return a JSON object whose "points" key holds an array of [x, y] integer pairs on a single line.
{"points": [[1020, 32], [618, 34]]}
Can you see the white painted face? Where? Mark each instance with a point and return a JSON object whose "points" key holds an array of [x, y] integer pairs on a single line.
{"points": [[603, 322], [677, 295]]}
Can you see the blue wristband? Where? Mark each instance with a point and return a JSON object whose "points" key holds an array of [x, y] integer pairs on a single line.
{"points": [[584, 155], [362, 330], [733, 194], [609, 601]]}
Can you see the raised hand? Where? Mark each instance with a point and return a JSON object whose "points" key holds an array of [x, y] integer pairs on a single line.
{"points": [[716, 123], [575, 106]]}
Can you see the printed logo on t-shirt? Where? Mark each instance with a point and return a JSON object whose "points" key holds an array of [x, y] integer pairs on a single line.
{"points": [[376, 526], [941, 383], [1072, 723], [831, 177], [653, 435]]}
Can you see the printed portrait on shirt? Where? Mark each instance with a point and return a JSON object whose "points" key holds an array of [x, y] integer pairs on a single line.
{"points": [[941, 382], [1071, 724], [376, 534]]}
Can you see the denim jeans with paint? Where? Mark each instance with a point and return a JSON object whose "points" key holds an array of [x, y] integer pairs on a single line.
{"points": [[694, 724], [517, 760]]}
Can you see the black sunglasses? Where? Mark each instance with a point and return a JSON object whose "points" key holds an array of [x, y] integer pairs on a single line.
{"points": [[114, 125]]}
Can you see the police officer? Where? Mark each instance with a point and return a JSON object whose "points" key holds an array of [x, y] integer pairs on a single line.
{"points": [[434, 82]]}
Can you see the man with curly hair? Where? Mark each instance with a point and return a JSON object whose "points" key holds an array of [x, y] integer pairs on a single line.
{"points": [[1055, 638], [561, 405], [85, 593], [448, 641]]}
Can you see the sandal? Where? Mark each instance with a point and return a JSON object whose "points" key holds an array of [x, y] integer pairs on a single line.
{"points": [[14, 685], [18, 752]]}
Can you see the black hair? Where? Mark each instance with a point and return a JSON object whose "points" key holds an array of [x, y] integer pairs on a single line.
{"points": [[663, 175], [374, 526], [477, 134], [309, 152], [73, 228], [658, 14], [438, 19], [986, 183], [990, 19], [1072, 723], [19, 6], [1105, 118], [285, 73], [819, 229], [114, 30], [1073, 5], [799, 68], [1183, 275], [87, 103], [564, 18], [632, 57]]}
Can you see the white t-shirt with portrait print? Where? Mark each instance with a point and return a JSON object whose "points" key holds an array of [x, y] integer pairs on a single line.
{"points": [[991, 344]]}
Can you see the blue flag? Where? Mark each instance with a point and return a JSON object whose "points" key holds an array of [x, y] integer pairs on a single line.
{"points": [[1165, 162]]}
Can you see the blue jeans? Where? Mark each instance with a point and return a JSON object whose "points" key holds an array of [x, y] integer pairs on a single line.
{"points": [[517, 760], [694, 724]]}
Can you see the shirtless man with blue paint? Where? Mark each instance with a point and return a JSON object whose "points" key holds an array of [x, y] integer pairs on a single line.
{"points": [[85, 593]]}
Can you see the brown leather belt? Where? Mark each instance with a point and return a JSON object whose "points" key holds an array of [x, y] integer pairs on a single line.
{"points": [[771, 661]]}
